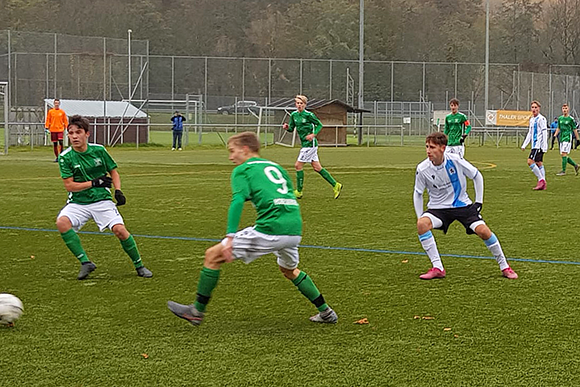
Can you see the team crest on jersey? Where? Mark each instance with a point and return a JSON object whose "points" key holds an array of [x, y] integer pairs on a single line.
{"points": [[304, 120], [98, 162], [452, 170]]}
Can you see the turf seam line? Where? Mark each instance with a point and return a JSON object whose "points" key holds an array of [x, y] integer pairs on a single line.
{"points": [[355, 249]]}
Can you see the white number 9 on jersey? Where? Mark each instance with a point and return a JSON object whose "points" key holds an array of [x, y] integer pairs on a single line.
{"points": [[276, 177]]}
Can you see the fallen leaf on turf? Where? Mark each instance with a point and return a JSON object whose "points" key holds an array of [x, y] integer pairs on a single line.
{"points": [[145, 356], [417, 317], [32, 257], [405, 261], [456, 336], [362, 321], [446, 329], [428, 318]]}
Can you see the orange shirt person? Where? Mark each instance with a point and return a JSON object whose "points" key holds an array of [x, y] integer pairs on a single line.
{"points": [[56, 123]]}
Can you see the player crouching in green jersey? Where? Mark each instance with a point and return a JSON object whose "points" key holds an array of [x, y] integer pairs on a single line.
{"points": [[84, 168], [307, 126], [278, 230]]}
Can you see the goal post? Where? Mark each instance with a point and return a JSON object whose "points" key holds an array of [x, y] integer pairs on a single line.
{"points": [[274, 118], [4, 116]]}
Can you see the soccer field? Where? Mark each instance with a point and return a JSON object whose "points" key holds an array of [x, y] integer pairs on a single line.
{"points": [[473, 328]]}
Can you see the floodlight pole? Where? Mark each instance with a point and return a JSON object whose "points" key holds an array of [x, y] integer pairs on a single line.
{"points": [[361, 29], [486, 101], [129, 31]]}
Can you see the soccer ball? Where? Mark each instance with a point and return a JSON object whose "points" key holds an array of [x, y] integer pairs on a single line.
{"points": [[11, 308]]}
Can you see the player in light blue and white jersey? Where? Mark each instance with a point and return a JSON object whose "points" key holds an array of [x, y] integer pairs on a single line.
{"points": [[443, 175], [538, 137]]}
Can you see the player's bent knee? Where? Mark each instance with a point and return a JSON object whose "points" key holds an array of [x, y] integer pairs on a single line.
{"points": [[483, 231], [424, 224], [63, 224], [291, 274], [120, 231]]}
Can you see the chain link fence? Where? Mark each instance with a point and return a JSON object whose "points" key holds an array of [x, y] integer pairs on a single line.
{"points": [[46, 65]]}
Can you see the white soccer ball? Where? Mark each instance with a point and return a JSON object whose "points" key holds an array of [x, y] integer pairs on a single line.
{"points": [[11, 308]]}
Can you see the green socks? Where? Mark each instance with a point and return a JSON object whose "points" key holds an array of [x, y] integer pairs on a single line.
{"points": [[130, 248], [567, 160], [73, 242], [304, 283], [328, 177], [208, 280], [299, 180]]}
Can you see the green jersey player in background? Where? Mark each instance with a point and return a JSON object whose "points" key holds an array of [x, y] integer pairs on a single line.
{"points": [[457, 127], [278, 229], [566, 129], [84, 168], [307, 126]]}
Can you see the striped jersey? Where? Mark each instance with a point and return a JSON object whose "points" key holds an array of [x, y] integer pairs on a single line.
{"points": [[537, 133], [445, 183]]}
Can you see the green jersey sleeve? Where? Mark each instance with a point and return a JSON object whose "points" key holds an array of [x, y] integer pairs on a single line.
{"points": [[240, 193], [316, 122]]}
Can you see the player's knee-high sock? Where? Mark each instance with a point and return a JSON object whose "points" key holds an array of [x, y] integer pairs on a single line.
{"points": [[299, 180], [428, 242], [564, 162], [493, 245], [304, 283], [73, 242], [208, 279], [130, 248], [60, 146], [542, 173], [327, 176], [55, 148], [536, 171], [570, 161]]}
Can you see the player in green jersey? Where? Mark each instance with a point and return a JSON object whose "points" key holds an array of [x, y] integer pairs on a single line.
{"points": [[84, 168], [307, 126], [457, 127], [278, 230], [566, 128]]}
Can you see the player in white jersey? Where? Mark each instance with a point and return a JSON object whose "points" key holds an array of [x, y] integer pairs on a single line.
{"points": [[538, 137], [443, 176]]}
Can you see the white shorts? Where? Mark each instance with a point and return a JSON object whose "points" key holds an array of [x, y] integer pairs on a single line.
{"points": [[456, 150], [104, 213], [249, 245], [308, 155], [565, 147]]}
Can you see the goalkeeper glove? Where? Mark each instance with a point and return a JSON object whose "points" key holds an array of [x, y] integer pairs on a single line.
{"points": [[46, 131], [462, 139], [120, 198], [102, 182]]}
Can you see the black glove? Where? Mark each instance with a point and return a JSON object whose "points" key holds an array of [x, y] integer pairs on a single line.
{"points": [[462, 140], [102, 182], [120, 198], [477, 207]]}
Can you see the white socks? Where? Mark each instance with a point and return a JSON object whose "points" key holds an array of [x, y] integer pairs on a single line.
{"points": [[493, 245], [428, 242]]}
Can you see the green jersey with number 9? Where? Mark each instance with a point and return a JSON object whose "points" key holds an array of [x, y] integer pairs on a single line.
{"points": [[269, 188]]}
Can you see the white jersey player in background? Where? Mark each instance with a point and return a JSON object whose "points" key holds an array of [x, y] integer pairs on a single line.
{"points": [[443, 176], [538, 137]]}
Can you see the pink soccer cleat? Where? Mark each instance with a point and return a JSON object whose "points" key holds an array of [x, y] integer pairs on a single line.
{"points": [[433, 273], [509, 273], [541, 186]]}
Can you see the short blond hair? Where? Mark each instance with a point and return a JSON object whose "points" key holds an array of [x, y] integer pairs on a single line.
{"points": [[536, 102], [302, 98], [248, 139]]}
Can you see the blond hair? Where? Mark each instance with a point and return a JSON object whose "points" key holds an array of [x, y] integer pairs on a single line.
{"points": [[248, 139], [536, 102], [302, 98]]}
